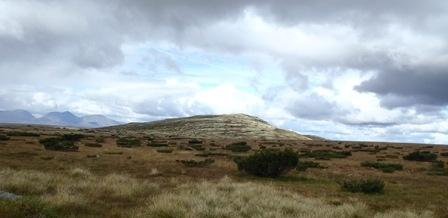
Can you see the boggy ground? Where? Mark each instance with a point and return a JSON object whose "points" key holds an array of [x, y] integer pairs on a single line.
{"points": [[146, 181]]}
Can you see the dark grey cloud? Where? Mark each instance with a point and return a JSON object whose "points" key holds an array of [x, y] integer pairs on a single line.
{"points": [[410, 85], [314, 107], [89, 34]]}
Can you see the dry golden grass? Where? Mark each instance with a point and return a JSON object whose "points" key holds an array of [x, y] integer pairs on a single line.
{"points": [[233, 200], [78, 192]]}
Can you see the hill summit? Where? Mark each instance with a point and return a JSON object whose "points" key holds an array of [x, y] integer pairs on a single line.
{"points": [[229, 126]]}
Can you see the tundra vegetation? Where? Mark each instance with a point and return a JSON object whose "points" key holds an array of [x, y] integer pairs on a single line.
{"points": [[205, 177]]}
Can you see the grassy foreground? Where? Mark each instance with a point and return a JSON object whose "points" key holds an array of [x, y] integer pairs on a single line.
{"points": [[79, 193]]}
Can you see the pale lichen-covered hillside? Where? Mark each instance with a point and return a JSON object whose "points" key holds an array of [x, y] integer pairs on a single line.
{"points": [[232, 126]]}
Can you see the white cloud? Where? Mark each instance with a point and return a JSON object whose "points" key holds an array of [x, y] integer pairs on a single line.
{"points": [[295, 63]]}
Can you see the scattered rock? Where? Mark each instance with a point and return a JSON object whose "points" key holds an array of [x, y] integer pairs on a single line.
{"points": [[8, 196]]}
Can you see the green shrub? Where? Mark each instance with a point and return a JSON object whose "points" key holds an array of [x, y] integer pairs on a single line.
{"points": [[238, 147], [438, 169], [24, 134], [93, 145], [385, 167], [268, 162], [165, 150], [128, 142], [421, 156], [367, 186], [304, 165], [195, 163], [194, 141], [4, 137], [326, 154], [113, 152], [74, 137], [58, 144], [157, 144]]}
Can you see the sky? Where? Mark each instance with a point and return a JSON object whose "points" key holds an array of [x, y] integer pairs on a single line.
{"points": [[340, 69]]}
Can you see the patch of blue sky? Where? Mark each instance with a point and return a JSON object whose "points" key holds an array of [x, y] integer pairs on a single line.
{"points": [[151, 61]]}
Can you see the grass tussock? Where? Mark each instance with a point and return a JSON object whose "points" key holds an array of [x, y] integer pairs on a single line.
{"points": [[385, 167], [76, 192], [231, 199]]}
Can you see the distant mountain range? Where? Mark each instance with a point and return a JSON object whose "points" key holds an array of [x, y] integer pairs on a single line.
{"points": [[57, 119]]}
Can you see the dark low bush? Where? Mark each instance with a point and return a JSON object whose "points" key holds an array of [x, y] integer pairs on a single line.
{"points": [[194, 141], [23, 134], [72, 137], [165, 150], [268, 162], [4, 137], [238, 147], [58, 144], [93, 145], [157, 143], [438, 169], [326, 154], [113, 152], [195, 163], [197, 147], [304, 165], [444, 154], [425, 156], [385, 167], [368, 186], [128, 142]]}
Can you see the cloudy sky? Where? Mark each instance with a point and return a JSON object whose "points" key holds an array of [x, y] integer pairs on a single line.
{"points": [[341, 69]]}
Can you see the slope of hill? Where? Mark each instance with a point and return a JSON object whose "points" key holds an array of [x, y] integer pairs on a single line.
{"points": [[213, 126], [56, 119]]}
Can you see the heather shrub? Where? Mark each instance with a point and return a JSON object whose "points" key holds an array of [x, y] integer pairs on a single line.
{"points": [[23, 134], [128, 142], [268, 162], [4, 137], [438, 169], [238, 147], [197, 163], [421, 156], [326, 154], [74, 137], [93, 145], [58, 144], [165, 150], [367, 186]]}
